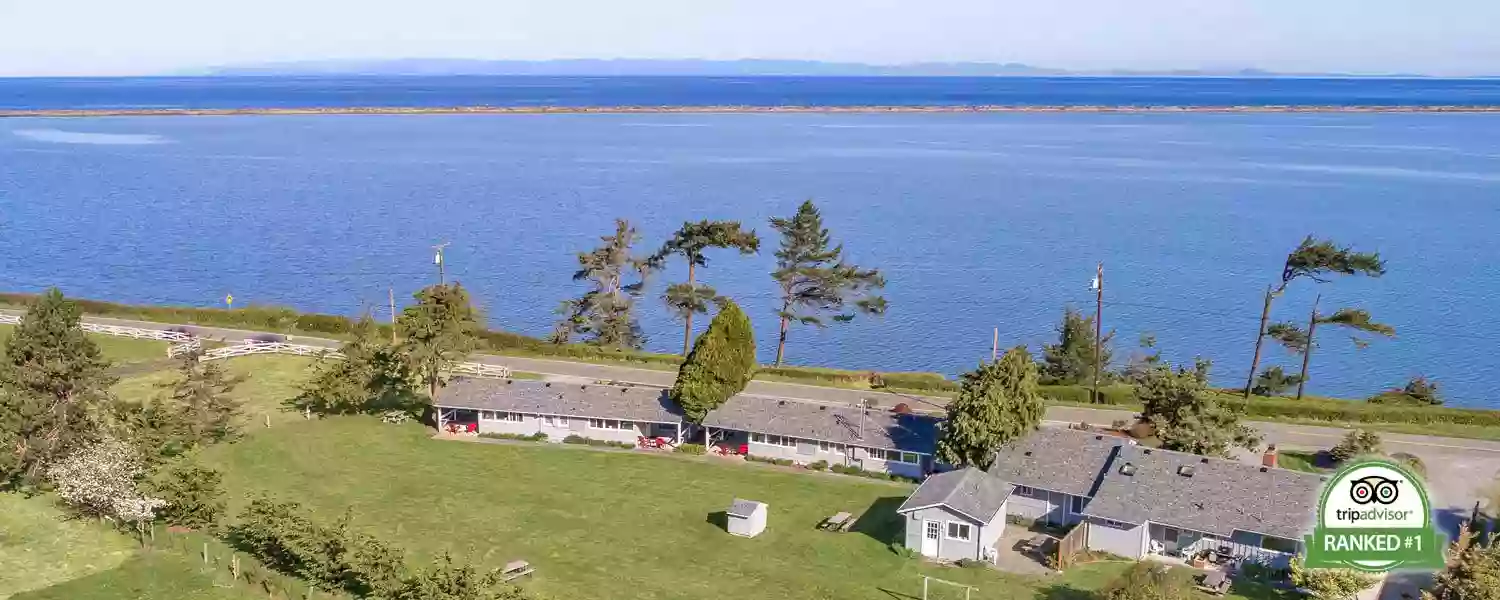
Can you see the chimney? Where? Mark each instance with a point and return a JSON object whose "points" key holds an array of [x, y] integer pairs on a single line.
{"points": [[1269, 460]]}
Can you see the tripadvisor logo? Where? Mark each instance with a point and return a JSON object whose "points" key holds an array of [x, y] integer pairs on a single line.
{"points": [[1374, 516]]}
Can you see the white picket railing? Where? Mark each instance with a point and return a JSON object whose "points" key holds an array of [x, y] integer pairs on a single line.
{"points": [[184, 342]]}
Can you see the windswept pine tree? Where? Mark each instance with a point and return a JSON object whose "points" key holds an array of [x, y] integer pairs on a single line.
{"points": [[691, 298], [1301, 341], [605, 314], [1318, 260], [996, 403], [719, 366], [814, 279], [1071, 360]]}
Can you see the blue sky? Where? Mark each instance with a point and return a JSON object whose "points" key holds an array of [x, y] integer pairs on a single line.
{"points": [[107, 37]]}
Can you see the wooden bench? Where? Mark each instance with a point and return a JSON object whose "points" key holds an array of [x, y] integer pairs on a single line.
{"points": [[515, 569]]}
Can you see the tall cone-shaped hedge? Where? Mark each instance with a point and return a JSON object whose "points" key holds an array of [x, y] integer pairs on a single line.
{"points": [[997, 403], [719, 366]]}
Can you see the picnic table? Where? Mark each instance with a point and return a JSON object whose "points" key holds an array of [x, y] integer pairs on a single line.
{"points": [[1215, 582], [838, 522], [1037, 542], [516, 568]]}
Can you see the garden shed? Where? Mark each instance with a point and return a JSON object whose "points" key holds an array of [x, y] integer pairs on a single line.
{"points": [[747, 518]]}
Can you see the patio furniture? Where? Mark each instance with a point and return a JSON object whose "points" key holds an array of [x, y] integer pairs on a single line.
{"points": [[515, 569], [1037, 543], [836, 522], [1215, 582]]}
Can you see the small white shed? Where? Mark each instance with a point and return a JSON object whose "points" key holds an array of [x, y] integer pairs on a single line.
{"points": [[747, 518]]}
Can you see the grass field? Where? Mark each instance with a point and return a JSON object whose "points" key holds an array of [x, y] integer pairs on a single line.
{"points": [[39, 547], [604, 525], [1299, 461], [269, 380], [156, 575]]}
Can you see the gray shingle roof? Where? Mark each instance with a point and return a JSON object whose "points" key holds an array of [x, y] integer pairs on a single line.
{"points": [[826, 422], [1221, 496], [743, 508], [570, 400], [970, 492], [1060, 460]]}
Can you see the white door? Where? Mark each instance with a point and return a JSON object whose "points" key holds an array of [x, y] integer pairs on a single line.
{"points": [[930, 532]]}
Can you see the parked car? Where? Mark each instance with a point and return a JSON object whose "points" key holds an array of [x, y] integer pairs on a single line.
{"points": [[266, 338]]}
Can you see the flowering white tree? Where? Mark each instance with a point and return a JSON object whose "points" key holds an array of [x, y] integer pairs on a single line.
{"points": [[98, 480]]}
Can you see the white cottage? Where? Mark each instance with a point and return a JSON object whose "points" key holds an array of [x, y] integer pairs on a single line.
{"points": [[747, 518]]}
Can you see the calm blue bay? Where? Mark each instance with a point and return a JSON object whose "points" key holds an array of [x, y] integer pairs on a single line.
{"points": [[979, 220]]}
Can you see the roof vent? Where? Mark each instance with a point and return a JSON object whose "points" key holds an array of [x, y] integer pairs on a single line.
{"points": [[822, 408], [1146, 451], [1098, 437], [548, 384], [1127, 469], [781, 403], [509, 381], [1028, 453], [583, 387], [1264, 469], [1185, 470], [1204, 460]]}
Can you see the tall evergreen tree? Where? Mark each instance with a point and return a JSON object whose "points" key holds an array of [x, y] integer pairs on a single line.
{"points": [[814, 278], [437, 331], [374, 375], [1473, 573], [996, 403], [719, 366], [1318, 260], [689, 298], [1071, 360], [1187, 418], [54, 389], [605, 314], [201, 397]]}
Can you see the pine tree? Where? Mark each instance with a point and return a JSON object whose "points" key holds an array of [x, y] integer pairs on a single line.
{"points": [[1186, 417], [201, 398], [373, 376], [54, 389], [605, 314], [690, 298], [814, 278], [1301, 341], [1317, 260], [996, 403], [719, 366], [1071, 360], [437, 331]]}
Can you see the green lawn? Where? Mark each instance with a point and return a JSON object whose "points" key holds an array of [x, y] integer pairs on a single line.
{"points": [[156, 575], [269, 380], [120, 350], [1299, 461], [604, 525], [39, 546]]}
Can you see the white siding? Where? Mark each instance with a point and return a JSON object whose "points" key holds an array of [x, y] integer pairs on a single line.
{"points": [[948, 548], [1129, 542], [562, 428], [1043, 505], [992, 531]]}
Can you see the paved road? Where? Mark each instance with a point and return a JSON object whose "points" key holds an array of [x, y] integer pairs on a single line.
{"points": [[1458, 469]]}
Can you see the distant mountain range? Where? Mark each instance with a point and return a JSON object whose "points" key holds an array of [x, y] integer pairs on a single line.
{"points": [[749, 67]]}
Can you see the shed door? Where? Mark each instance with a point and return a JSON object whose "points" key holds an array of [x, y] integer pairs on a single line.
{"points": [[930, 532]]}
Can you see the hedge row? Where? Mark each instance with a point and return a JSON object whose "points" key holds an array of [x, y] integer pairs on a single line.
{"points": [[906, 380], [1319, 409]]}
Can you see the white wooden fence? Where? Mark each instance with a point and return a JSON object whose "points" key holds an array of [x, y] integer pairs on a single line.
{"points": [[184, 342]]}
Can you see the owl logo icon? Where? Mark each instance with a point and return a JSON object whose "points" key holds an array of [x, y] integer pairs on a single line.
{"points": [[1374, 488]]}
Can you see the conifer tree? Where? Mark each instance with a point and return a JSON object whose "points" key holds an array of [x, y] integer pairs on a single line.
{"points": [[996, 403], [690, 298], [719, 366], [54, 389], [1071, 360], [437, 331], [605, 314], [815, 280], [1186, 417]]}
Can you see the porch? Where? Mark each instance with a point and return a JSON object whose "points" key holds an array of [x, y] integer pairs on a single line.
{"points": [[1206, 550]]}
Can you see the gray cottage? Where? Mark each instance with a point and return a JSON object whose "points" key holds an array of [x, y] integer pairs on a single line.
{"points": [[873, 439], [621, 414], [1131, 501], [956, 515]]}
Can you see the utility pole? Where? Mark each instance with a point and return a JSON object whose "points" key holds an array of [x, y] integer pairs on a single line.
{"points": [[1098, 326], [1312, 326], [391, 293], [1260, 336], [995, 346], [437, 259]]}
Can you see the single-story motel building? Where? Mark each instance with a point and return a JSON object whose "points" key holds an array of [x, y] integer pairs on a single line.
{"points": [[874, 439], [1130, 500]]}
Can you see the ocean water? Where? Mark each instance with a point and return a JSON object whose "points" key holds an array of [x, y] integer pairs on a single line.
{"points": [[330, 91], [980, 221]]}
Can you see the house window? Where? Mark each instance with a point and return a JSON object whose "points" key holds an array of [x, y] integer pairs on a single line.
{"points": [[1116, 524], [958, 531], [1075, 504], [550, 420], [1025, 492], [611, 424], [1170, 535], [758, 438], [512, 417], [773, 440], [932, 529], [830, 447], [487, 415], [910, 458]]}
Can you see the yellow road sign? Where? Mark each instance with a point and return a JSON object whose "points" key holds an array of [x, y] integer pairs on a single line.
{"points": [[229, 300]]}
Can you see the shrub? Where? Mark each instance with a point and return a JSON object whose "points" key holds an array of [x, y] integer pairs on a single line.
{"points": [[575, 439], [818, 465], [1119, 424], [1357, 443], [323, 323], [1419, 391], [902, 551], [1141, 430], [694, 449], [1411, 461], [525, 437], [969, 563], [193, 496]]}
